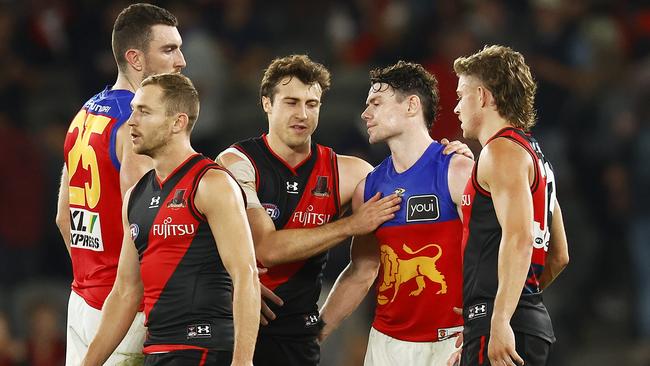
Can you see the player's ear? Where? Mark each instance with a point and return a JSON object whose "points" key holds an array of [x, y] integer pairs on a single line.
{"points": [[180, 123], [135, 58], [413, 105], [267, 104]]}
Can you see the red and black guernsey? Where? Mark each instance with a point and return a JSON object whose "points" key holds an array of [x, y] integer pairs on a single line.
{"points": [[481, 239], [303, 196], [187, 290]]}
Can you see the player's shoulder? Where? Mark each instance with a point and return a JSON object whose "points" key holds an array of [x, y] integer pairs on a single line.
{"points": [[354, 163]]}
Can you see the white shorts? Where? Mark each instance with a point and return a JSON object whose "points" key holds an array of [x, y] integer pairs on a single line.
{"points": [[83, 321], [384, 350]]}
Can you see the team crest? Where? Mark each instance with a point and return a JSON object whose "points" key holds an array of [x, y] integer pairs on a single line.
{"points": [[321, 187], [179, 200]]}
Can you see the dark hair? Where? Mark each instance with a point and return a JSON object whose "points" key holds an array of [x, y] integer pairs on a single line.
{"points": [[300, 66], [408, 78], [179, 95], [132, 29], [505, 74]]}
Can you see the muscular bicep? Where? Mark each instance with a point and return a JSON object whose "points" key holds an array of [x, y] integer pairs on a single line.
{"points": [[505, 170], [358, 196], [132, 166], [128, 268], [261, 224], [351, 171], [460, 171], [227, 218]]}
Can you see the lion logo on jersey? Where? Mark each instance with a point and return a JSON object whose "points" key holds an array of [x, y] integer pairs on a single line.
{"points": [[399, 271]]}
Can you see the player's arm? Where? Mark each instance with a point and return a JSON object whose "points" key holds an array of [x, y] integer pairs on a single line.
{"points": [[460, 171], [132, 165], [273, 247], [558, 250], [123, 301], [353, 283], [63, 208], [219, 198], [506, 171]]}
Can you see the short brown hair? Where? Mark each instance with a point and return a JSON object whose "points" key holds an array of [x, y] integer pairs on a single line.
{"points": [[300, 66], [408, 78], [132, 29], [504, 72], [179, 95]]}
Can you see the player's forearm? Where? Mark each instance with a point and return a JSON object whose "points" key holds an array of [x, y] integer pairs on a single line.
{"points": [[118, 313], [246, 315], [290, 245], [553, 267], [514, 262], [349, 290]]}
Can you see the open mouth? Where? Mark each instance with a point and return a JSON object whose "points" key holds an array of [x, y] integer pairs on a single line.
{"points": [[299, 128]]}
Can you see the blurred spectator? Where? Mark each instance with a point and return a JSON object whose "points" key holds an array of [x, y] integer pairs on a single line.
{"points": [[11, 350], [45, 342]]}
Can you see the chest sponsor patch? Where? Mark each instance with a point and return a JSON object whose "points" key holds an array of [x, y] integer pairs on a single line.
{"points": [[85, 230], [422, 208]]}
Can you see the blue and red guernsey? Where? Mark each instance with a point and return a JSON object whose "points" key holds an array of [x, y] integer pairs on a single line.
{"points": [[419, 279], [304, 196], [187, 290], [481, 240], [95, 196]]}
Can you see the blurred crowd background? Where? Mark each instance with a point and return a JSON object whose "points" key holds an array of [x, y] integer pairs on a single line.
{"points": [[591, 59]]}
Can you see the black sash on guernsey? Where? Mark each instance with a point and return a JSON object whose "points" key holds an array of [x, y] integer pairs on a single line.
{"points": [[295, 197], [187, 291], [481, 240]]}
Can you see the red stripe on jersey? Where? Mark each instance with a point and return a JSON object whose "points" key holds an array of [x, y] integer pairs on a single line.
{"points": [[162, 348], [317, 206], [481, 351]]}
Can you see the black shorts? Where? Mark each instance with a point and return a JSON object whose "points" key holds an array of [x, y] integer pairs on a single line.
{"points": [[286, 351], [189, 357], [534, 350]]}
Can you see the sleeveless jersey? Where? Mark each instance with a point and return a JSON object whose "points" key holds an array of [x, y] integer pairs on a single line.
{"points": [[187, 290], [481, 238], [303, 196], [94, 194], [419, 279]]}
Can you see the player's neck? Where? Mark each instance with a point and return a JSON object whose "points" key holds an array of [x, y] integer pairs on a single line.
{"points": [[491, 127], [407, 148], [170, 157], [126, 82], [292, 155]]}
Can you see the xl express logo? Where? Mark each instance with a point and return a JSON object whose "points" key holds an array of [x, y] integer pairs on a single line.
{"points": [[422, 208], [85, 230]]}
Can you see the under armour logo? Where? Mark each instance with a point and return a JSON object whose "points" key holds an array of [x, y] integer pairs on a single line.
{"points": [[155, 202], [292, 187], [199, 331], [311, 320], [477, 311]]}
